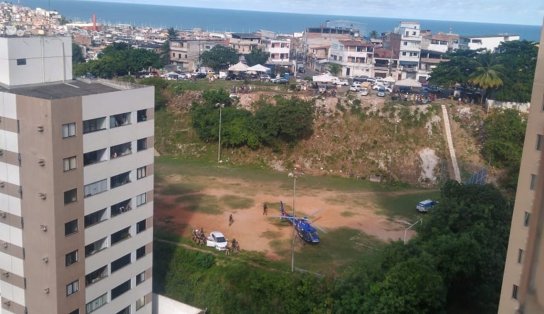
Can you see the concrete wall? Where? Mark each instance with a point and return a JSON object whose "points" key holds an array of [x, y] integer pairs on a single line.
{"points": [[496, 104]]}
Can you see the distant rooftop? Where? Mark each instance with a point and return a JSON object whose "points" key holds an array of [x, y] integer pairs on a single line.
{"points": [[489, 36], [73, 88], [246, 35]]}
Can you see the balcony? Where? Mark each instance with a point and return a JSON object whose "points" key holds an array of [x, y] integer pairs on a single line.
{"points": [[96, 276], [95, 218], [120, 235], [95, 247], [120, 289], [141, 144], [141, 115], [121, 207], [94, 125], [120, 180], [119, 120], [94, 157], [120, 150], [120, 263]]}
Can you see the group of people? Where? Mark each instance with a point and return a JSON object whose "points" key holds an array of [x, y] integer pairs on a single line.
{"points": [[199, 237]]}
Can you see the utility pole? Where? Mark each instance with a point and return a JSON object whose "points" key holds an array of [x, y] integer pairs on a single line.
{"points": [[219, 144]]}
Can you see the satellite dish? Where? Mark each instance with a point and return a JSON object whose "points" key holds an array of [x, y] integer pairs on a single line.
{"points": [[20, 33], [11, 30]]}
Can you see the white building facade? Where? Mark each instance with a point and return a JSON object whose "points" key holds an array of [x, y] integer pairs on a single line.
{"points": [[354, 56], [410, 48]]}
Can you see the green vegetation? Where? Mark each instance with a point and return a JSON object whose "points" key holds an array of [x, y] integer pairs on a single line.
{"points": [[506, 75], [334, 68], [257, 56], [403, 205], [118, 59], [219, 57], [77, 54], [289, 120], [503, 136]]}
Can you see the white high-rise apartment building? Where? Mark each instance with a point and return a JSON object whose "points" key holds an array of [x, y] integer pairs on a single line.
{"points": [[410, 48], [76, 186]]}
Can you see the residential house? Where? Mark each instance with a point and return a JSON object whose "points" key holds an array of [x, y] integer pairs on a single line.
{"points": [[355, 56], [489, 43], [243, 43], [186, 52], [410, 48], [279, 50]]}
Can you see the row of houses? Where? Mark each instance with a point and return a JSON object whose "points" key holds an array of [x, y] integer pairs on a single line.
{"points": [[406, 52]]}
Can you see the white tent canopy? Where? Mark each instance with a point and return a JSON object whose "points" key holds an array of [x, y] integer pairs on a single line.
{"points": [[239, 67], [258, 68], [389, 79], [408, 83], [323, 78]]}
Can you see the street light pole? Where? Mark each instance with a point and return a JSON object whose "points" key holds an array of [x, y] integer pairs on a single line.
{"points": [[219, 144]]}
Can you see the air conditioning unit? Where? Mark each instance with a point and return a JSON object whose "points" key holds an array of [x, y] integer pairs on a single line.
{"points": [[5, 245], [5, 274], [2, 184], [46, 290], [40, 128], [41, 162], [7, 303], [3, 214], [43, 196], [45, 259], [43, 227]]}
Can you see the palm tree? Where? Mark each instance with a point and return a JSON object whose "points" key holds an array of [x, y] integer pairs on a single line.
{"points": [[487, 74]]}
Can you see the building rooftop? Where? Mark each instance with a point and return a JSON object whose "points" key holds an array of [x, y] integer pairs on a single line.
{"points": [[246, 35], [67, 89], [355, 43]]}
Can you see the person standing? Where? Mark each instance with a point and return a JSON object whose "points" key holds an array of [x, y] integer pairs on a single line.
{"points": [[265, 209], [231, 220]]}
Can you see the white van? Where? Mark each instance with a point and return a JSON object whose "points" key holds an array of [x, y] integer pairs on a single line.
{"points": [[425, 206]]}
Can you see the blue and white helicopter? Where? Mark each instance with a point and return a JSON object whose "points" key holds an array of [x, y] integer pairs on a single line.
{"points": [[303, 227]]}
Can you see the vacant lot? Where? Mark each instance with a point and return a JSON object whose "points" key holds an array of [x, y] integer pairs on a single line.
{"points": [[353, 216]]}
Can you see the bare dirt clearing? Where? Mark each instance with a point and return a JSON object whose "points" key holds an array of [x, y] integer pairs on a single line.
{"points": [[187, 201]]}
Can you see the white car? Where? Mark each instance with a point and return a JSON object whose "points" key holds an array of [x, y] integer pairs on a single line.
{"points": [[217, 240], [342, 83], [364, 91]]}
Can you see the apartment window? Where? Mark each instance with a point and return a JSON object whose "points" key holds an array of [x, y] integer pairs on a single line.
{"points": [[142, 115], [140, 278], [126, 310], [120, 235], [406, 43], [120, 120], [72, 288], [96, 188], [120, 289], [520, 256], [140, 303], [140, 252], [526, 219], [533, 182], [21, 61], [69, 163], [142, 144], [539, 139], [120, 179], [70, 227], [68, 130], [94, 157], [71, 258], [404, 53], [70, 196], [94, 218], [120, 263], [120, 208], [120, 150], [95, 247], [141, 173], [96, 275], [94, 125], [141, 199], [76, 311], [140, 226], [515, 292], [96, 303]]}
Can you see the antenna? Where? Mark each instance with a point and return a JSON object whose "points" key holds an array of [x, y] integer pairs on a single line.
{"points": [[11, 30]]}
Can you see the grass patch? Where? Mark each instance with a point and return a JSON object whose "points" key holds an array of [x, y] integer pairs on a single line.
{"points": [[200, 203], [175, 189], [347, 213], [338, 248], [404, 206], [237, 202]]}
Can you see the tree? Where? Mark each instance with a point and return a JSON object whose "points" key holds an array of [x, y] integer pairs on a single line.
{"points": [[487, 74], [172, 33], [165, 53], [334, 68], [219, 57], [77, 54], [373, 34], [460, 66], [257, 56]]}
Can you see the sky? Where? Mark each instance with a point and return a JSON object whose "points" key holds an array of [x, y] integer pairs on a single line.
{"points": [[528, 12]]}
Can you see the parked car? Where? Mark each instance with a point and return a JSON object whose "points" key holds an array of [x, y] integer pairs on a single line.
{"points": [[217, 240], [364, 91], [381, 92], [281, 80], [425, 206], [342, 83]]}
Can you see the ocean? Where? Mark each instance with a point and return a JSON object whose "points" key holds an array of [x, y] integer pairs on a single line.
{"points": [[249, 21]]}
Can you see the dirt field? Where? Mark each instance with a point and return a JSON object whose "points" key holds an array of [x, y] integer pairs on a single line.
{"points": [[184, 202]]}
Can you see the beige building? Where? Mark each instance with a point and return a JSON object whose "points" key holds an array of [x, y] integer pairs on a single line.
{"points": [[523, 283], [76, 186]]}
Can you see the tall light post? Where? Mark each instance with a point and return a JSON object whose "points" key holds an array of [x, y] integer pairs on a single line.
{"points": [[293, 175], [221, 106]]}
